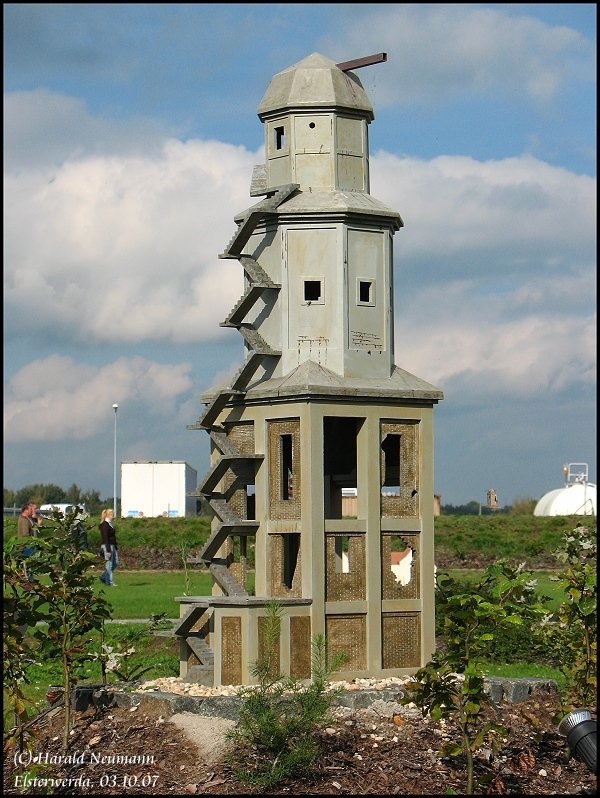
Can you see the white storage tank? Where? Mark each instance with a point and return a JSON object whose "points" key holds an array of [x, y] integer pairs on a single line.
{"points": [[155, 488], [577, 497]]}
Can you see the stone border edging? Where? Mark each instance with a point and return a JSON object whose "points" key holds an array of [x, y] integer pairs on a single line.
{"points": [[499, 689]]}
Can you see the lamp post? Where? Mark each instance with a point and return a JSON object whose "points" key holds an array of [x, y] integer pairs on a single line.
{"points": [[115, 408]]}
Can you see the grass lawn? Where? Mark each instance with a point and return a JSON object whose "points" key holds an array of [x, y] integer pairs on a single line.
{"points": [[140, 594]]}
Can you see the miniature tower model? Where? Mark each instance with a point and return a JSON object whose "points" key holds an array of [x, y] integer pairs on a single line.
{"points": [[317, 406]]}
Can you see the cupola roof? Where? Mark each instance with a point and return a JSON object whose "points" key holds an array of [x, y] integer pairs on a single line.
{"points": [[315, 82]]}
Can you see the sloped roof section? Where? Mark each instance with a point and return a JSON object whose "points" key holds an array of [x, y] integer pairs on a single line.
{"points": [[315, 82], [333, 202], [312, 379]]}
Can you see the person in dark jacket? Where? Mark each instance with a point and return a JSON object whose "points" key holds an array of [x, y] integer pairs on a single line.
{"points": [[108, 547]]}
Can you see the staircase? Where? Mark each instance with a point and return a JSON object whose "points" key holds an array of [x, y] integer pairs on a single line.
{"points": [[202, 673], [230, 458], [254, 215]]}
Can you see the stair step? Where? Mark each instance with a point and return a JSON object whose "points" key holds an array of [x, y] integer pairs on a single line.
{"points": [[256, 274], [214, 543], [240, 310], [201, 649], [223, 510], [194, 560], [223, 443], [216, 406], [252, 217], [220, 535], [244, 375], [255, 340], [237, 387], [229, 525], [216, 474], [239, 464], [184, 625], [226, 580]]}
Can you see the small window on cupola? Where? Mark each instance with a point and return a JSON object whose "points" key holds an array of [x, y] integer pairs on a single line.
{"points": [[279, 138]]}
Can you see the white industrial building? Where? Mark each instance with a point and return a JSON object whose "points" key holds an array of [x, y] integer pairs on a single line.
{"points": [[155, 488], [577, 497]]}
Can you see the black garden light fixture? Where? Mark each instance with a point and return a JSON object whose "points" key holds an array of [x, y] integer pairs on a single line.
{"points": [[580, 731]]}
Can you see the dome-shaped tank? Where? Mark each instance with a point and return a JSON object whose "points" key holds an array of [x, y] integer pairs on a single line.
{"points": [[578, 497], [572, 500]]}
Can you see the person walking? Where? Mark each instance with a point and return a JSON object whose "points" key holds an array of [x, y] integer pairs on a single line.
{"points": [[108, 547], [27, 527]]}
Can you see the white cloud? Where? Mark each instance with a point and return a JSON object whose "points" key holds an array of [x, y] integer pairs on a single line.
{"points": [[57, 398], [494, 273], [125, 247], [477, 346], [513, 210], [453, 49]]}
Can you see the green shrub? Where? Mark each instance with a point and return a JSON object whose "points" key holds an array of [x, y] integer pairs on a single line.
{"points": [[511, 643], [451, 685], [279, 716], [573, 630], [58, 584]]}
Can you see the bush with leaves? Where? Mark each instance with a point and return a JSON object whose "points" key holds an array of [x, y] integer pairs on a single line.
{"points": [[120, 659], [60, 594], [572, 630], [19, 650], [511, 642], [279, 716], [451, 686]]}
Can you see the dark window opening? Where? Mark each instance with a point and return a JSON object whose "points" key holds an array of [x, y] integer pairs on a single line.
{"points": [[364, 291], [291, 549], [391, 465], [312, 290], [243, 548], [287, 467], [339, 461], [250, 502], [279, 138]]}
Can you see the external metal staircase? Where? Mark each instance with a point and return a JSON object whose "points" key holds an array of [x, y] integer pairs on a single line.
{"points": [[230, 458]]}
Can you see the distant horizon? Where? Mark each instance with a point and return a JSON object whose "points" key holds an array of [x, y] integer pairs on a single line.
{"points": [[345, 491]]}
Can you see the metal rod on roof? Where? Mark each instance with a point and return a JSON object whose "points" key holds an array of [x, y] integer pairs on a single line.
{"points": [[377, 58]]}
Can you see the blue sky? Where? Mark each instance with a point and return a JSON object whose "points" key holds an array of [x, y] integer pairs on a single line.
{"points": [[130, 133]]}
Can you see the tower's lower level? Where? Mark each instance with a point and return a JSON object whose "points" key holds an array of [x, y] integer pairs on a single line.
{"points": [[366, 583]]}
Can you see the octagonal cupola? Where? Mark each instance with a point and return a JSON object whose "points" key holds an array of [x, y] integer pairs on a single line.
{"points": [[316, 120]]}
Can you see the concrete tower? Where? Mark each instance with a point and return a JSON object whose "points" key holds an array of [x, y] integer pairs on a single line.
{"points": [[317, 406]]}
